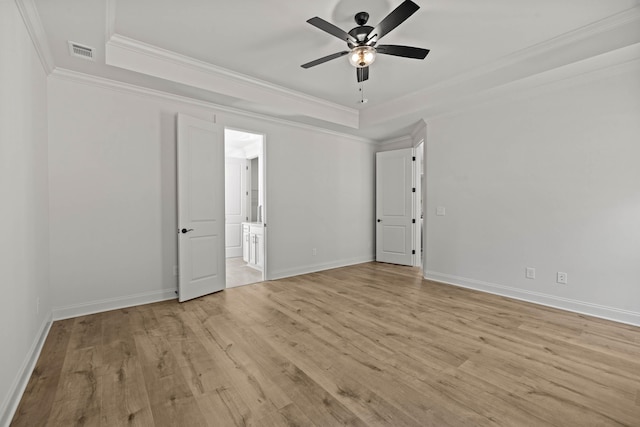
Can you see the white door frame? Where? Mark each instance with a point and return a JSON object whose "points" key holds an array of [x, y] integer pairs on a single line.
{"points": [[395, 218], [263, 173], [418, 207]]}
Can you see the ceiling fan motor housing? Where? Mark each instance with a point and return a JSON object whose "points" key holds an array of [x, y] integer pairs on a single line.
{"points": [[359, 33], [361, 18]]}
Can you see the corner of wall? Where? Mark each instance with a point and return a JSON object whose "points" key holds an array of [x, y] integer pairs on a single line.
{"points": [[36, 31], [10, 405]]}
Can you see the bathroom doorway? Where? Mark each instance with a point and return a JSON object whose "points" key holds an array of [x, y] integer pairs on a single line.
{"points": [[245, 212]]}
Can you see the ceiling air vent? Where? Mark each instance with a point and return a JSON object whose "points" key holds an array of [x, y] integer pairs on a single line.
{"points": [[81, 51]]}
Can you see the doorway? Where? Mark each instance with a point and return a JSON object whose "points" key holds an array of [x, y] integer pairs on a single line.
{"points": [[245, 247], [400, 189]]}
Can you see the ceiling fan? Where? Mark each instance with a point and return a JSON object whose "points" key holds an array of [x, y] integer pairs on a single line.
{"points": [[362, 40]]}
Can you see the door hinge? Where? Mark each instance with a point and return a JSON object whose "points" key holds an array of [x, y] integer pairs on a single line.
{"points": [[413, 190], [413, 159], [247, 167], [413, 221], [413, 252]]}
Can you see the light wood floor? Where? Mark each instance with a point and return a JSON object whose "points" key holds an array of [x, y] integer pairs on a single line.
{"points": [[371, 344]]}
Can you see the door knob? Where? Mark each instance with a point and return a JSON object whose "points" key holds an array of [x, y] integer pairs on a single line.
{"points": [[184, 230]]}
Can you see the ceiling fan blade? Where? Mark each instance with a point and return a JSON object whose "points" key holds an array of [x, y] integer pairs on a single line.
{"points": [[331, 29], [324, 59], [404, 51], [392, 20], [362, 74]]}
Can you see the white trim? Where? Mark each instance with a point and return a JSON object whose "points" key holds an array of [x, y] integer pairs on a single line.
{"points": [[127, 53], [107, 304], [401, 140], [445, 96], [179, 59], [608, 64], [101, 82], [314, 268], [578, 73], [10, 404], [543, 48], [582, 307], [416, 134], [110, 19], [36, 31]]}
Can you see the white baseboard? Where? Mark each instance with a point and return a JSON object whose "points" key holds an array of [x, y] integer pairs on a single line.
{"points": [[10, 405], [582, 307], [281, 274], [99, 306]]}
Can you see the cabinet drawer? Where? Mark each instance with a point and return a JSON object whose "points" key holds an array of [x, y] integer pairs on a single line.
{"points": [[257, 229]]}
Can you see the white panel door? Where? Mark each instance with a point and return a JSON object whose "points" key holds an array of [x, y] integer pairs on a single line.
{"points": [[200, 208], [394, 203], [235, 204]]}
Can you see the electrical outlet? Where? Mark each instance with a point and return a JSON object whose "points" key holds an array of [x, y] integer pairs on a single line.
{"points": [[441, 211], [530, 273], [314, 251], [562, 278]]}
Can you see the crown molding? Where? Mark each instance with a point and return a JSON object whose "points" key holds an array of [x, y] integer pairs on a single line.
{"points": [[135, 55], [110, 18], [401, 140], [419, 131], [620, 31], [36, 31], [610, 64], [104, 83]]}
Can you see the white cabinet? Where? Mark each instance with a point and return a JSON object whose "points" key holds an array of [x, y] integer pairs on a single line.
{"points": [[253, 244], [246, 241]]}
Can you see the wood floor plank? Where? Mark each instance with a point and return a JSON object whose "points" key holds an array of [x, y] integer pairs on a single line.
{"points": [[78, 397], [290, 415], [37, 403], [169, 395], [124, 396], [309, 396], [209, 367], [371, 344]]}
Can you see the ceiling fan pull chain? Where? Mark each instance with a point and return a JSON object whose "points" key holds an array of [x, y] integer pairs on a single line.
{"points": [[363, 100]]}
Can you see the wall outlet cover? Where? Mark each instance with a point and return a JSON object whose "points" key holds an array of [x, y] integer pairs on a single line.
{"points": [[530, 273]]}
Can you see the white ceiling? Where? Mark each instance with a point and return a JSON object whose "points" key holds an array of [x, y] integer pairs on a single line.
{"points": [[267, 41]]}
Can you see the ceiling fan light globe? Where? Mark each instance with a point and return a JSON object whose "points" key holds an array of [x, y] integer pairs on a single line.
{"points": [[362, 56]]}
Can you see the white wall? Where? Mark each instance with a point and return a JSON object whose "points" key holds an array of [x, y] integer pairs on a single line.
{"points": [[24, 244], [113, 196], [548, 180]]}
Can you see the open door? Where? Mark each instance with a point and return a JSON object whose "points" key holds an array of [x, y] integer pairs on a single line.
{"points": [[235, 204], [201, 216], [394, 206]]}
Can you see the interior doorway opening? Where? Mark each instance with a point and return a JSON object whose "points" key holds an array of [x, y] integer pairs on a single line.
{"points": [[245, 213]]}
